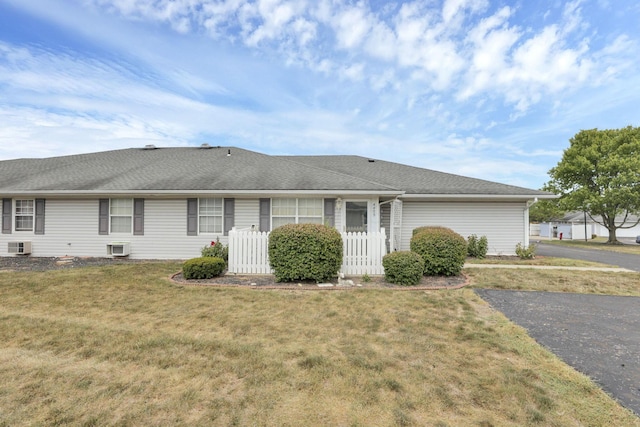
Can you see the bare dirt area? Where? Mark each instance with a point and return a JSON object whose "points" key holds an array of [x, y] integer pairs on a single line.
{"points": [[28, 263]]}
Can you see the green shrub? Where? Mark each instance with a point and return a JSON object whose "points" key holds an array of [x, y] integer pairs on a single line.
{"points": [[203, 267], [443, 250], [216, 249], [428, 228], [524, 252], [305, 252], [477, 248], [403, 268]]}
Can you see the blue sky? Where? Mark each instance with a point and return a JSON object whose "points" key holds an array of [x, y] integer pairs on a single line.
{"points": [[488, 89]]}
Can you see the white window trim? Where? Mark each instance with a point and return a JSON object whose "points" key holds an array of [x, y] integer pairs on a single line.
{"points": [[297, 215], [111, 216], [16, 215], [221, 216], [373, 220]]}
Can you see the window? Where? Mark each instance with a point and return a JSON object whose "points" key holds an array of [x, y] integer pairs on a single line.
{"points": [[121, 215], [295, 211], [24, 215], [210, 215], [356, 216]]}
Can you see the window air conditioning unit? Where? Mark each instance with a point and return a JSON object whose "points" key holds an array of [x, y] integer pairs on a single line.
{"points": [[118, 249], [22, 248]]}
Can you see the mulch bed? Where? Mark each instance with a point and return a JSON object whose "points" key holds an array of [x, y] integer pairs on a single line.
{"points": [[267, 281]]}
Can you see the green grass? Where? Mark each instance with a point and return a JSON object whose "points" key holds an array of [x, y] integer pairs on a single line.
{"points": [[538, 260], [122, 345]]}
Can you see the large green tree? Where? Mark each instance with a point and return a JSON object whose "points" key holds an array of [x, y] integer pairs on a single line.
{"points": [[600, 174]]}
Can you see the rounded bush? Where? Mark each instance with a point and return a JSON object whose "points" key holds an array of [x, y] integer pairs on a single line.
{"points": [[403, 268], [203, 267], [428, 228], [305, 252], [443, 250]]}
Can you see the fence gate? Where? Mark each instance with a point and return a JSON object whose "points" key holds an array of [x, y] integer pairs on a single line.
{"points": [[362, 252]]}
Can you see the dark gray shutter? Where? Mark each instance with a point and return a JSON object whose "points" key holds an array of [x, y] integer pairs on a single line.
{"points": [[265, 214], [330, 212], [138, 217], [6, 216], [39, 220], [103, 216], [229, 215], [192, 217]]}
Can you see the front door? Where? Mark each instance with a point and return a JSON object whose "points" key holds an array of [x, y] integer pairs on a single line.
{"points": [[356, 216]]}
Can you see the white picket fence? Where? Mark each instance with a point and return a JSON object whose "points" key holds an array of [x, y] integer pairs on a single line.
{"points": [[362, 252]]}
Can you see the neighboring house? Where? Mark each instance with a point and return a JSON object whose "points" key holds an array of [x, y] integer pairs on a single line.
{"points": [[572, 227], [168, 203]]}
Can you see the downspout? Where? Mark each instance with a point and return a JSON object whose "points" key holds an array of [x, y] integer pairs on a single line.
{"points": [[526, 221]]}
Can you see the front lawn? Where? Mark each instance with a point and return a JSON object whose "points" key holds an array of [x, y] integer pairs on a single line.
{"points": [[122, 345]]}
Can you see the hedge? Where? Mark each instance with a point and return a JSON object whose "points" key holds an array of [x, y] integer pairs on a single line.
{"points": [[305, 252]]}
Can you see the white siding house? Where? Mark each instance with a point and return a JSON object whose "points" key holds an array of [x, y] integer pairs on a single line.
{"points": [[502, 223], [168, 203]]}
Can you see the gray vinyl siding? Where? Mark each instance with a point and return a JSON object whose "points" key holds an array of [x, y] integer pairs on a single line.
{"points": [[72, 229], [502, 223]]}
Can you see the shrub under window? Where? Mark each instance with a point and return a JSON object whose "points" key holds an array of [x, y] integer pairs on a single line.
{"points": [[305, 252]]}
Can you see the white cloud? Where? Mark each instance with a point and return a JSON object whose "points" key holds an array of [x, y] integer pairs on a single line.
{"points": [[351, 25], [274, 17], [434, 75], [461, 45], [451, 8], [353, 72], [381, 42]]}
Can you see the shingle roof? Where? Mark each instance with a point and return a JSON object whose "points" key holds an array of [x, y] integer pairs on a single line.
{"points": [[413, 180], [212, 169]]}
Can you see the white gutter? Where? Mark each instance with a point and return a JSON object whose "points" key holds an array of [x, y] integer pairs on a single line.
{"points": [[479, 196]]}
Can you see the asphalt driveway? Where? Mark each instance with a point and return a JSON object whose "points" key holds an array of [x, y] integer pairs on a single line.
{"points": [[598, 335]]}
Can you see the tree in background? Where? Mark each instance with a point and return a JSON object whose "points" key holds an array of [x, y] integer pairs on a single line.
{"points": [[600, 174], [546, 210]]}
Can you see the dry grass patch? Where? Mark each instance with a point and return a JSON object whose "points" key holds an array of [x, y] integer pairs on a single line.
{"points": [[123, 346], [584, 282], [537, 261]]}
